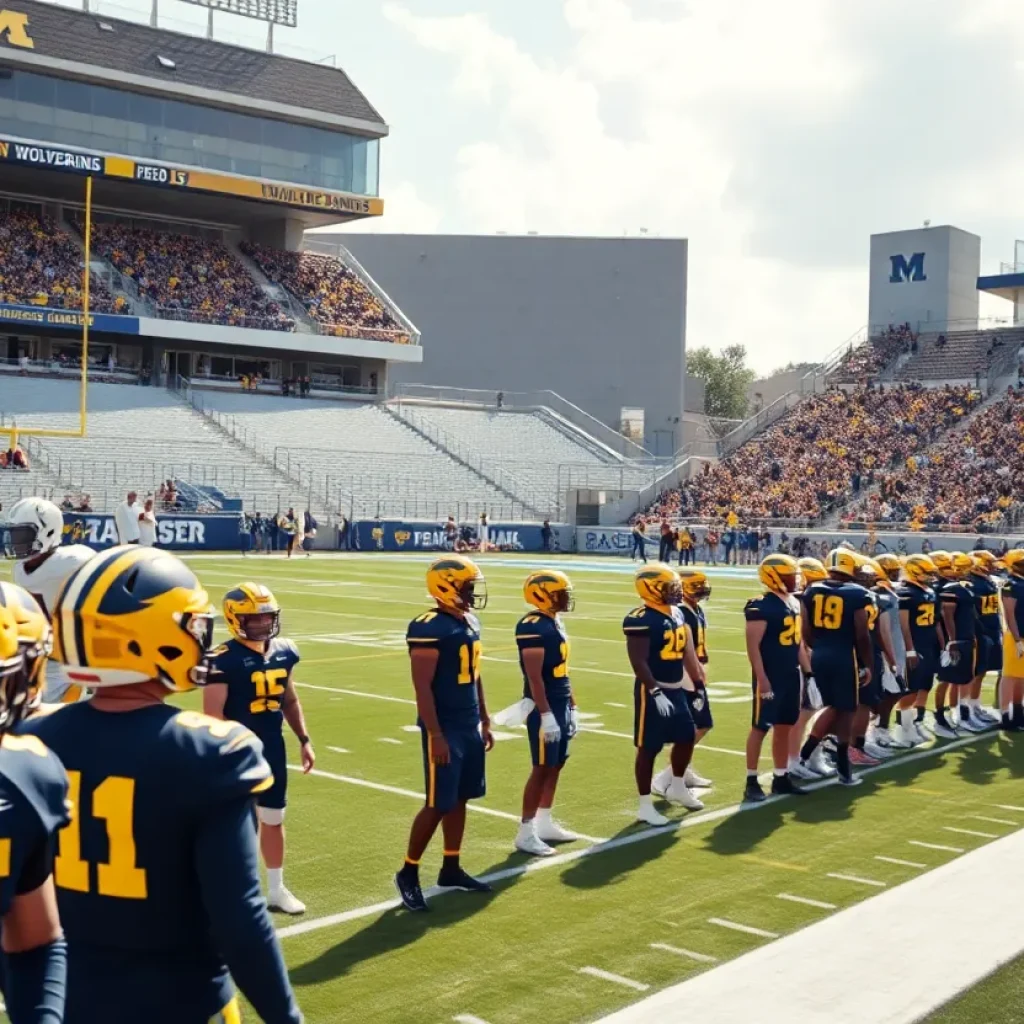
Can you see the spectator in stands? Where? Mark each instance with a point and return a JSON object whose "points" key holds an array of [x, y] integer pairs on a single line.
{"points": [[147, 525], [14, 458], [85, 503], [67, 505], [639, 534], [126, 519]]}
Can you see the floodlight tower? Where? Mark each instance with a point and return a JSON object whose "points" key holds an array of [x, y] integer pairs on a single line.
{"points": [[273, 12]]}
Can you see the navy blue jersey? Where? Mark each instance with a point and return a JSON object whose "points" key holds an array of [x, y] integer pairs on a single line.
{"points": [[831, 607], [1013, 586], [986, 606], [959, 595], [153, 889], [667, 634], [885, 601], [698, 623], [547, 633], [457, 642], [780, 645], [256, 682], [33, 806], [920, 605]]}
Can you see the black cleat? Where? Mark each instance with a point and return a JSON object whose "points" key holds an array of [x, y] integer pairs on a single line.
{"points": [[410, 893], [783, 785], [458, 879], [753, 793]]}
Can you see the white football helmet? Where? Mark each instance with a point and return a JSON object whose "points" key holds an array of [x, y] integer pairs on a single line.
{"points": [[34, 525]]}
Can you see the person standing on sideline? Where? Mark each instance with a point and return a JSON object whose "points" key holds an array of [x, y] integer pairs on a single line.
{"points": [[639, 534], [126, 520], [309, 525], [545, 534], [244, 533], [147, 525], [665, 544], [483, 532]]}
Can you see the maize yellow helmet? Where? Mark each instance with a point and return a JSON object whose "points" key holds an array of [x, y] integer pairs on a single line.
{"points": [[695, 584], [133, 614], [985, 563], [881, 577], [780, 573], [960, 565], [456, 582], [549, 591], [920, 569], [812, 570], [1014, 561], [35, 637], [842, 562], [658, 585], [252, 613], [890, 565], [943, 563]]}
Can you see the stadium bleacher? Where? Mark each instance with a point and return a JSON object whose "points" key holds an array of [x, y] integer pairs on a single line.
{"points": [[875, 355], [960, 355]]}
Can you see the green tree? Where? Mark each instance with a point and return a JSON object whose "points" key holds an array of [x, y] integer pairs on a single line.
{"points": [[726, 377]]}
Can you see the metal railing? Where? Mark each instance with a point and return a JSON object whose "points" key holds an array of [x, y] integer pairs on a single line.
{"points": [[246, 322]]}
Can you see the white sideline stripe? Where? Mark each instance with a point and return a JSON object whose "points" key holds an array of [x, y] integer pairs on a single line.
{"points": [[468, 1018], [618, 979], [901, 863], [1009, 807], [640, 836], [885, 925], [935, 846], [721, 922], [357, 693], [339, 750], [995, 821], [820, 904], [701, 958], [856, 879], [970, 832]]}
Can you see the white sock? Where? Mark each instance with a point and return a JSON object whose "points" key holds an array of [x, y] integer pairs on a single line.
{"points": [[275, 879], [544, 816], [778, 772], [526, 828], [751, 773], [793, 763]]}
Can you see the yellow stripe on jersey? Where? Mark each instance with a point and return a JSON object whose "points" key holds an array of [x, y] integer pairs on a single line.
{"points": [[643, 716], [263, 785], [431, 773], [231, 1014]]}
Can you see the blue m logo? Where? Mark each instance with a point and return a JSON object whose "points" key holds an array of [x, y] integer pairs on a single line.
{"points": [[907, 270]]}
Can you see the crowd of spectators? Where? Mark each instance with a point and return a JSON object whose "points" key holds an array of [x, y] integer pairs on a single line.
{"points": [[77, 503], [968, 479], [189, 277], [824, 452], [877, 353], [332, 294], [40, 265]]}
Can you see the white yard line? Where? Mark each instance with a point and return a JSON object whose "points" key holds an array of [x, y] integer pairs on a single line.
{"points": [[701, 958], [820, 904], [1009, 807], [357, 693], [901, 863], [935, 846], [856, 880], [820, 958], [970, 832], [747, 929], [389, 739], [640, 836], [468, 1018], [615, 979], [995, 821], [338, 750]]}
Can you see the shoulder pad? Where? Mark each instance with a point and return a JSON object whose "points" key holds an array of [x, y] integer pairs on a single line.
{"points": [[288, 647], [430, 625], [28, 766], [223, 760], [219, 650]]}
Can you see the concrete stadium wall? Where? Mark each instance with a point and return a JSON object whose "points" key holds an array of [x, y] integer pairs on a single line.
{"points": [[602, 321]]}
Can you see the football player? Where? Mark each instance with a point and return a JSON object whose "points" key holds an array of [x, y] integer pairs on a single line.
{"points": [[250, 681], [959, 630], [42, 564], [973, 716], [835, 627], [445, 651], [658, 650], [157, 873], [775, 650], [811, 571], [544, 661], [696, 589], [1011, 690], [33, 794], [917, 603]]}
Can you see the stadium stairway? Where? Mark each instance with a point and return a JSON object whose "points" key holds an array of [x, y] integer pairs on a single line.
{"points": [[117, 284], [964, 355], [304, 324]]}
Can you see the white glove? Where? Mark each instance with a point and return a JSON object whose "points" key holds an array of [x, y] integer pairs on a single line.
{"points": [[515, 714], [889, 681], [1020, 648], [549, 727], [664, 704], [814, 694], [573, 723], [945, 658]]}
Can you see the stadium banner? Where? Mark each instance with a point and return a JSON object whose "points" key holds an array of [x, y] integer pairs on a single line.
{"points": [[305, 197], [175, 533], [66, 319], [397, 535], [609, 540]]}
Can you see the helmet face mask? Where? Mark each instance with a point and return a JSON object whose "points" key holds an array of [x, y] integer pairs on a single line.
{"points": [[549, 591], [695, 585], [658, 585], [33, 526], [252, 613], [260, 626], [456, 583], [780, 574]]}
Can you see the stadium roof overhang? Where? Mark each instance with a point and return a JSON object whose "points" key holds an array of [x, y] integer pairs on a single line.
{"points": [[1005, 286]]}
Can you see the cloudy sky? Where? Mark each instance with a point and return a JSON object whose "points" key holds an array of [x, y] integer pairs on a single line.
{"points": [[776, 135]]}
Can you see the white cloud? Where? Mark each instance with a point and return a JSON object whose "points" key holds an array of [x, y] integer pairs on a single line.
{"points": [[405, 212]]}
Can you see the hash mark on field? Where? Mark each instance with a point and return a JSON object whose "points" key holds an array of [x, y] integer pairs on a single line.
{"points": [[410, 728], [752, 858], [388, 739], [901, 863], [935, 846], [820, 904], [339, 750], [357, 693], [1009, 807], [618, 979], [614, 704], [745, 928], [856, 879], [970, 832], [995, 821], [468, 1018], [701, 958]]}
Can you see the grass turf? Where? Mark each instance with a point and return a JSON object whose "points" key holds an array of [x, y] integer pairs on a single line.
{"points": [[1000, 997], [516, 955]]}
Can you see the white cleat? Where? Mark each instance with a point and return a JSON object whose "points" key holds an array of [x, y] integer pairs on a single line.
{"points": [[945, 731], [661, 782], [879, 753], [679, 794], [695, 780], [820, 765], [649, 816], [282, 900], [798, 770], [972, 723], [552, 832], [925, 728], [988, 718], [531, 843]]}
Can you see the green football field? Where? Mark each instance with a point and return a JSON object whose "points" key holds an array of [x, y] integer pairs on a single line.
{"points": [[622, 913]]}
